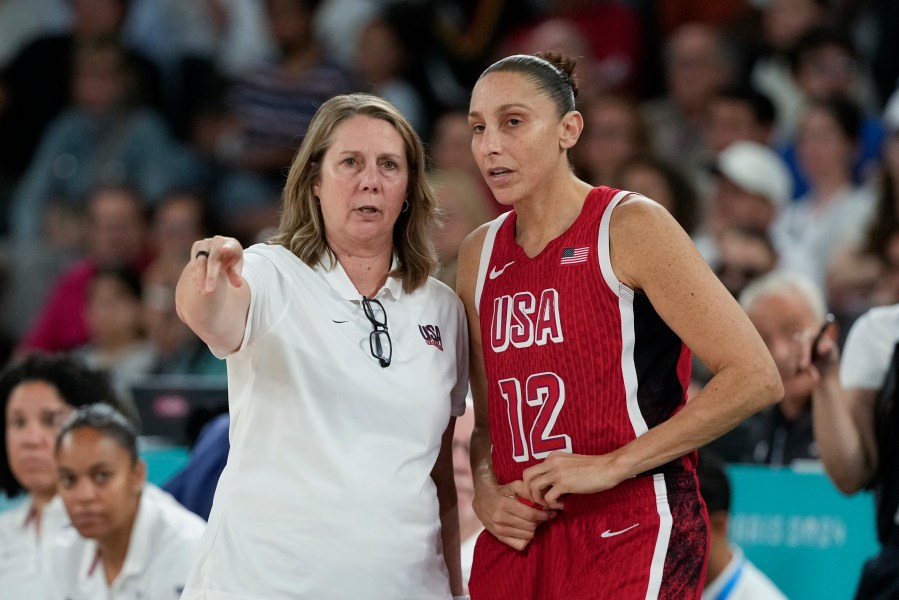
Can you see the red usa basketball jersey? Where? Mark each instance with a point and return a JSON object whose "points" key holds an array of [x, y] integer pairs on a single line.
{"points": [[575, 360]]}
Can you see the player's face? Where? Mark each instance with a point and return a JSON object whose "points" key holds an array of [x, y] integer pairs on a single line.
{"points": [[516, 136], [363, 182], [99, 483], [34, 412]]}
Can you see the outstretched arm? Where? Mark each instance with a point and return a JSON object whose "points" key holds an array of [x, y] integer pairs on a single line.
{"points": [[510, 521], [212, 296], [653, 255]]}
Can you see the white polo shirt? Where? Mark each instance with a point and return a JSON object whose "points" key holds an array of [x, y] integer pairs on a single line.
{"points": [[741, 580], [23, 571], [327, 492], [163, 544], [869, 348]]}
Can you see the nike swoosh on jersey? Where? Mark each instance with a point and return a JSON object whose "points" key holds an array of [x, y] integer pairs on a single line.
{"points": [[609, 533], [494, 272], [338, 322]]}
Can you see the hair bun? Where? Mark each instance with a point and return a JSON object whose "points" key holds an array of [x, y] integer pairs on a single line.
{"points": [[565, 64]]}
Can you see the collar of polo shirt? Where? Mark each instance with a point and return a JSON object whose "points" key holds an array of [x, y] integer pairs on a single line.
{"points": [[337, 278]]}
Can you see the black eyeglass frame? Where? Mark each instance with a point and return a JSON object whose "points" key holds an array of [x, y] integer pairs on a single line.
{"points": [[378, 328]]}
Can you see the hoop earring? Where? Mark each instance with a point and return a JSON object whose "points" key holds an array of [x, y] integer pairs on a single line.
{"points": [[405, 206]]}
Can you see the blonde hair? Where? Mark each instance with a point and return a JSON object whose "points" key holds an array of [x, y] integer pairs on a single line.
{"points": [[302, 230]]}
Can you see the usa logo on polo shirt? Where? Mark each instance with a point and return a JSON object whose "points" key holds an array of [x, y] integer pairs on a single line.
{"points": [[431, 334]]}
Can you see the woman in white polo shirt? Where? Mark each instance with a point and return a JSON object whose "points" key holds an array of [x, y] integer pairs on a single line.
{"points": [[347, 364], [129, 540], [36, 396]]}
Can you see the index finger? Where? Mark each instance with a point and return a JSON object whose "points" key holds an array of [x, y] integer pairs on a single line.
{"points": [[200, 256]]}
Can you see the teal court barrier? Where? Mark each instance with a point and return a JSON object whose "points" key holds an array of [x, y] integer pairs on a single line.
{"points": [[163, 463], [798, 529]]}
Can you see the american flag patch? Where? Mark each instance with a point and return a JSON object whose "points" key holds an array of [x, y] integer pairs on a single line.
{"points": [[571, 256]]}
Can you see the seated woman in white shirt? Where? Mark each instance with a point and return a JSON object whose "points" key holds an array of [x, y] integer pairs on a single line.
{"points": [[133, 540], [36, 396]]}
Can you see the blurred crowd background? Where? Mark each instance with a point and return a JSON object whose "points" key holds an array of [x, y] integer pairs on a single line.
{"points": [[130, 128]]}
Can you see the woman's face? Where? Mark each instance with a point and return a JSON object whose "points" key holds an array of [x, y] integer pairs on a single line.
{"points": [[645, 180], [610, 138], [98, 483], [34, 413], [363, 182], [100, 82], [822, 147], [114, 314], [516, 135]]}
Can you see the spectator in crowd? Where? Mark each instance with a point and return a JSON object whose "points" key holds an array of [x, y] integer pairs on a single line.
{"points": [[269, 110], [729, 574], [784, 22], [230, 37], [614, 133], [339, 24], [36, 397], [22, 21], [104, 139], [35, 101], [665, 183], [606, 35], [454, 39], [698, 62], [835, 211], [867, 273], [211, 43], [825, 65], [743, 254], [381, 62], [739, 113], [117, 342], [787, 310], [752, 187], [182, 217], [855, 400], [725, 15], [116, 235], [129, 538]]}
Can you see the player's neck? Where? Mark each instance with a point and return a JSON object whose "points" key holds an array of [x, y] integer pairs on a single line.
{"points": [[543, 217]]}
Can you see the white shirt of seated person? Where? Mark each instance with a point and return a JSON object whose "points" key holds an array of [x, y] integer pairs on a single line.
{"points": [[163, 543], [23, 551]]}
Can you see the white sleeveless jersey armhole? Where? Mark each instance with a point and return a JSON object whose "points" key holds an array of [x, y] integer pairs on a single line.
{"points": [[486, 251], [604, 248]]}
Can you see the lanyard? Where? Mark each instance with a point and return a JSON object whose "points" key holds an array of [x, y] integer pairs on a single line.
{"points": [[731, 583]]}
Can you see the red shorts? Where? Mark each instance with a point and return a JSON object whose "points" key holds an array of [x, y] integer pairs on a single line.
{"points": [[647, 538]]}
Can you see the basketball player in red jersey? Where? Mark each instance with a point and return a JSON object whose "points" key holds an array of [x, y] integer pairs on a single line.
{"points": [[583, 304]]}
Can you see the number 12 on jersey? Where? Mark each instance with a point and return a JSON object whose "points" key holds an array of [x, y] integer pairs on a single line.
{"points": [[543, 390]]}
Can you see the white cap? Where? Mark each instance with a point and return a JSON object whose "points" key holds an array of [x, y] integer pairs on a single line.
{"points": [[891, 113], [758, 169]]}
